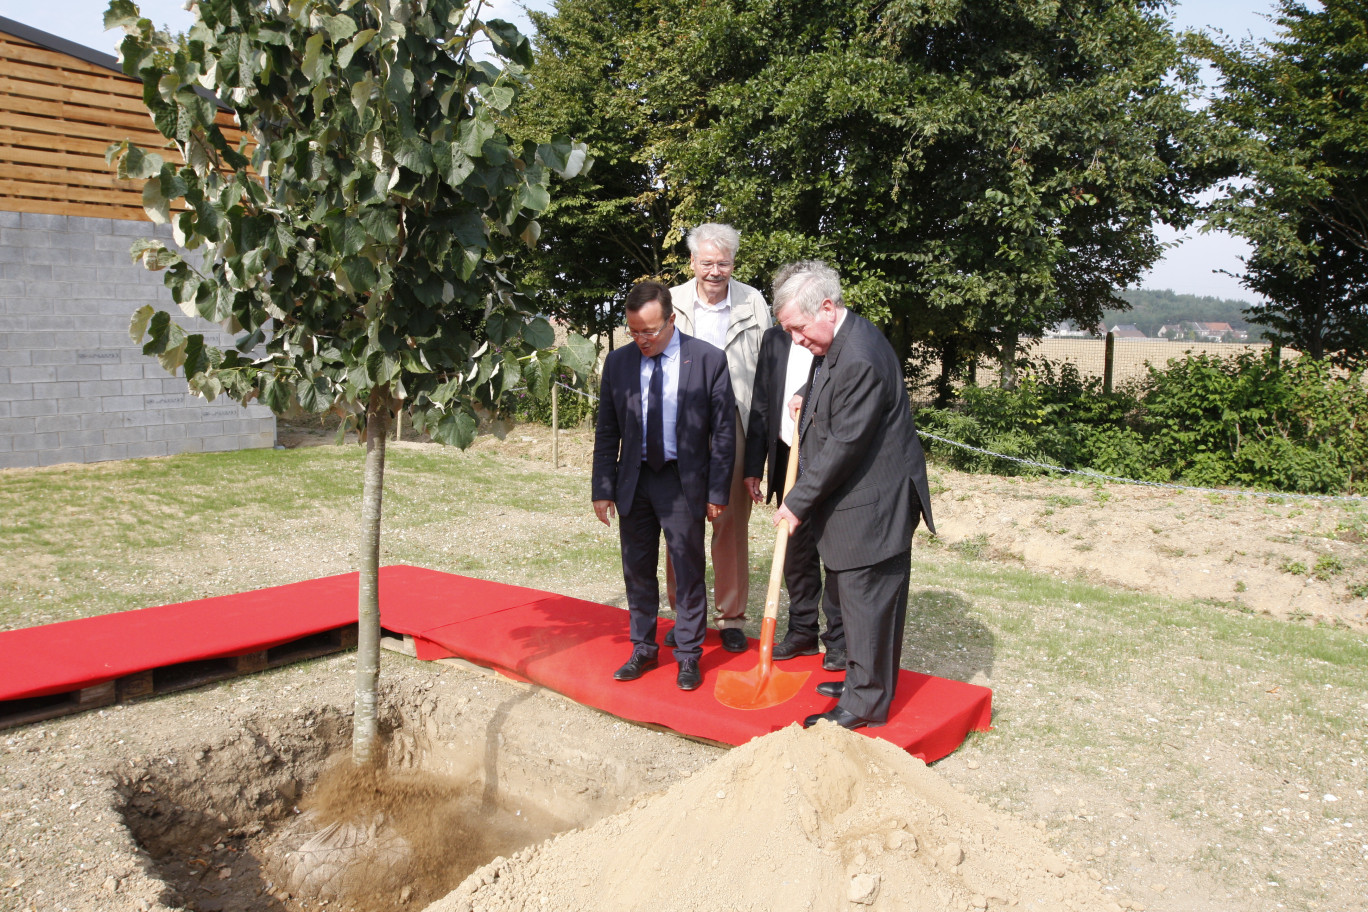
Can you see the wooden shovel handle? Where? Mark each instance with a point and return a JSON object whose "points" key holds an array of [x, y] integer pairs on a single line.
{"points": [[781, 539]]}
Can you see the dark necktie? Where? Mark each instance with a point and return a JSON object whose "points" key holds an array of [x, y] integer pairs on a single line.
{"points": [[655, 417], [807, 407]]}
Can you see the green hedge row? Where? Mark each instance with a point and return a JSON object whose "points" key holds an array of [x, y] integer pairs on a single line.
{"points": [[1246, 421]]}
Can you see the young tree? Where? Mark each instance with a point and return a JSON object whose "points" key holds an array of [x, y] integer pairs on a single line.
{"points": [[358, 236]]}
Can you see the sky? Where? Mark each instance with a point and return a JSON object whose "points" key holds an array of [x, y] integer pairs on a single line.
{"points": [[1193, 265]]}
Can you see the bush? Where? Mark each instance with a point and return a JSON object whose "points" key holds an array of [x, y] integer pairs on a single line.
{"points": [[1245, 421], [533, 404]]}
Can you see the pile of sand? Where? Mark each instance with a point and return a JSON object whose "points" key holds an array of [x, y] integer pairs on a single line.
{"points": [[823, 819]]}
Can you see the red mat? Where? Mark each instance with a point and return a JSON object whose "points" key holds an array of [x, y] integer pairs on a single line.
{"points": [[573, 646], [55, 658], [565, 644]]}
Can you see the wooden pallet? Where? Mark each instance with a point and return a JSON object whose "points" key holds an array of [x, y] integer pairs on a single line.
{"points": [[171, 678]]}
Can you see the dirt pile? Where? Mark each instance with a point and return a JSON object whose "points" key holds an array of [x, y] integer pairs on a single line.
{"points": [[818, 820]]}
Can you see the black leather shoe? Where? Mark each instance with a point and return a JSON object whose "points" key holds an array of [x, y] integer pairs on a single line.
{"points": [[792, 647], [636, 666], [842, 717], [734, 639], [669, 639], [689, 675], [834, 660], [831, 688]]}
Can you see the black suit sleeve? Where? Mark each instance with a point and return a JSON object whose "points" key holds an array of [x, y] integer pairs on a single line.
{"points": [[723, 458], [758, 434], [607, 437]]}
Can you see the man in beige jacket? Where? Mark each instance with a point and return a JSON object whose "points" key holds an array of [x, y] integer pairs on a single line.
{"points": [[718, 309]]}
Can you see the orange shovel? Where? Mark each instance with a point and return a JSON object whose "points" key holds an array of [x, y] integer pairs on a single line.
{"points": [[764, 685]]}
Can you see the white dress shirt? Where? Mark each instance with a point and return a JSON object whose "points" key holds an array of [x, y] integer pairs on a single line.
{"points": [[711, 321], [669, 362]]}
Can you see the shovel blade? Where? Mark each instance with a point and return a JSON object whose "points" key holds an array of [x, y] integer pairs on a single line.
{"points": [[760, 688]]}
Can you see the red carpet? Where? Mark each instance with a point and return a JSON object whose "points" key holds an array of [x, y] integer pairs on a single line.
{"points": [[573, 646], [567, 645], [54, 658]]}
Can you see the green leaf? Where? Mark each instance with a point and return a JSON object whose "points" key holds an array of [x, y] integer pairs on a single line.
{"points": [[455, 430], [315, 64], [121, 14], [344, 56], [539, 334], [472, 134], [578, 354], [137, 327], [339, 28], [314, 395], [155, 203]]}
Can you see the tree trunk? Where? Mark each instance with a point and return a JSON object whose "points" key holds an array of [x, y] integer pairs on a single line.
{"points": [[1007, 359], [378, 414]]}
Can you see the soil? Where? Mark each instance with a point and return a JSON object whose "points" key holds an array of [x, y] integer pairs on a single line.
{"points": [[197, 800]]}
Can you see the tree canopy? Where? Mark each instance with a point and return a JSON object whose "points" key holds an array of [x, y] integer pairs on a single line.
{"points": [[1297, 108], [975, 170]]}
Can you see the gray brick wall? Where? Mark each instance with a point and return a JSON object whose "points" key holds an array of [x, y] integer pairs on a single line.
{"points": [[73, 386]]}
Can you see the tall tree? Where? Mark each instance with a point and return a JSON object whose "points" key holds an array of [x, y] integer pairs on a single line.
{"points": [[1299, 107], [358, 236], [1317, 304], [596, 74], [978, 171], [1300, 104]]}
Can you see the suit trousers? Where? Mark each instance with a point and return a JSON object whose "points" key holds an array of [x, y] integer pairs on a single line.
{"points": [[874, 603], [803, 577], [730, 548], [659, 506]]}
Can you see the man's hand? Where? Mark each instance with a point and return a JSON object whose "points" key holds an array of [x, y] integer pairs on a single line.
{"points": [[604, 510], [784, 513], [752, 486], [715, 510], [795, 406]]}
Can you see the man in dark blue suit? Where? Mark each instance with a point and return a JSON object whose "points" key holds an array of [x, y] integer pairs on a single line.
{"points": [[861, 483], [664, 452]]}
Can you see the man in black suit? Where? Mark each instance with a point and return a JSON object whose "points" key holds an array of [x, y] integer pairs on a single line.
{"points": [[862, 483], [782, 372], [664, 452]]}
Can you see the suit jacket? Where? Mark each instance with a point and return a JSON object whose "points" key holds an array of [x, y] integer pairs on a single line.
{"points": [[750, 317], [767, 410], [705, 431], [864, 473]]}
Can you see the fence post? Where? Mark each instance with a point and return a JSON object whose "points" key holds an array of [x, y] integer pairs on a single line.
{"points": [[1108, 362], [555, 425], [398, 423]]}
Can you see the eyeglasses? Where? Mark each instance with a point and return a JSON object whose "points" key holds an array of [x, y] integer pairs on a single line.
{"points": [[705, 265], [653, 334]]}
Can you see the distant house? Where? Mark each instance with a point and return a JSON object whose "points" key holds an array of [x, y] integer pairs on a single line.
{"points": [[73, 386], [1172, 332], [1127, 331]]}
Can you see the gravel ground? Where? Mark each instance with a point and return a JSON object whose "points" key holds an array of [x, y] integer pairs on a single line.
{"points": [[1180, 779]]}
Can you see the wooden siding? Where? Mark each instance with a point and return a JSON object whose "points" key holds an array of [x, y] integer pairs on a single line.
{"points": [[58, 115]]}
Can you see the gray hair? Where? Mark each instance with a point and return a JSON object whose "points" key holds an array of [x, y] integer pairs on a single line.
{"points": [[724, 236], [805, 285]]}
